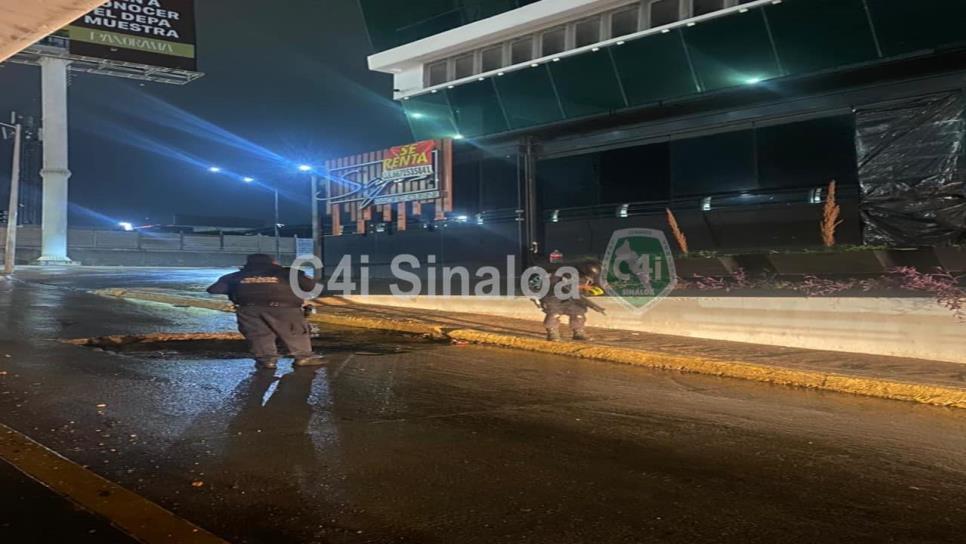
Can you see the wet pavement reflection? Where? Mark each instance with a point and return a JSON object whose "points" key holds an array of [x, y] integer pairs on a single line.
{"points": [[402, 440]]}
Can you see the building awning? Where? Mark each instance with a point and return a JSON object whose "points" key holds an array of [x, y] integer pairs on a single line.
{"points": [[25, 23]]}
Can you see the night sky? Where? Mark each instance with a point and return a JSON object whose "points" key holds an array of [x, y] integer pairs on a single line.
{"points": [[284, 85]]}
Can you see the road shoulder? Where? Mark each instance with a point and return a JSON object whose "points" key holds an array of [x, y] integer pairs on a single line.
{"points": [[136, 516], [927, 382]]}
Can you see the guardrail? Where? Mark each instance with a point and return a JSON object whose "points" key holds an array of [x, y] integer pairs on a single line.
{"points": [[742, 200]]}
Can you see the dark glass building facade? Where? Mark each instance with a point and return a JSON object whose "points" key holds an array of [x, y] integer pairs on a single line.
{"points": [[736, 116]]}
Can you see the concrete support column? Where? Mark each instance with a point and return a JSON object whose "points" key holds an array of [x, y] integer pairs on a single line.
{"points": [[55, 171]]}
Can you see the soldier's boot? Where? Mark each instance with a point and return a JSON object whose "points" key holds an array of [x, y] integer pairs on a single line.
{"points": [[553, 335], [577, 323], [310, 360], [266, 363]]}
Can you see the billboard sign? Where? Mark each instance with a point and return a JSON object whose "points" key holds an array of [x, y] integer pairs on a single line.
{"points": [[397, 180], [410, 161], [147, 32], [405, 173]]}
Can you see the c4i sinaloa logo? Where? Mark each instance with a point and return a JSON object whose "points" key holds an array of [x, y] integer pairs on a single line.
{"points": [[638, 267]]}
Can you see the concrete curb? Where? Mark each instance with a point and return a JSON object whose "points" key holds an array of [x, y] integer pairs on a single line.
{"points": [[866, 386], [124, 340], [174, 300], [408, 327]]}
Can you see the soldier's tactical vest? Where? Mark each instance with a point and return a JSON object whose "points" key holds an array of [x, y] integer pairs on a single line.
{"points": [[263, 287]]}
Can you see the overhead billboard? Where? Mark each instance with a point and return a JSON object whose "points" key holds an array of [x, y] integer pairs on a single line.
{"points": [[148, 32]]}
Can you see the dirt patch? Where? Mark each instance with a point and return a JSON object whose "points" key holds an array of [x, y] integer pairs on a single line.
{"points": [[233, 345]]}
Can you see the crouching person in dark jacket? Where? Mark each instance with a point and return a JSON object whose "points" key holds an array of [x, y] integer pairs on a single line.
{"points": [[574, 307], [269, 311]]}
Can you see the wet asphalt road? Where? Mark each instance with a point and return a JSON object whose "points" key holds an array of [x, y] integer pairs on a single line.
{"points": [[24, 500], [401, 440]]}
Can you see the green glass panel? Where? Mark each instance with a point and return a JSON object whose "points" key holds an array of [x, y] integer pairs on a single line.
{"points": [[481, 9], [731, 51], [528, 97], [814, 35], [654, 68], [393, 22], [587, 84], [476, 109], [905, 26], [430, 116]]}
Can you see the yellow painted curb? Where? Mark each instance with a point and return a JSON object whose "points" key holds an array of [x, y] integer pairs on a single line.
{"points": [[870, 387], [122, 340], [408, 327], [140, 518]]}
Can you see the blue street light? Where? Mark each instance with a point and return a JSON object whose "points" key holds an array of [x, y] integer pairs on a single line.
{"points": [[248, 179], [214, 169], [305, 168]]}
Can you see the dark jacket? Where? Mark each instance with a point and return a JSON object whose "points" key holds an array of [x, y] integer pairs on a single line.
{"points": [[263, 285], [588, 278]]}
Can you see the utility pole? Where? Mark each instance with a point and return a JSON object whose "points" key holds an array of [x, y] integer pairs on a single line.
{"points": [[10, 249]]}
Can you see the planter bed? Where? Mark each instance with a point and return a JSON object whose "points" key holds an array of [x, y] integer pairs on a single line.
{"points": [[843, 263], [952, 258], [688, 267]]}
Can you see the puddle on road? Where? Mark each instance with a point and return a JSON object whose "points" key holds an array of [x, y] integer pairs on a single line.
{"points": [[233, 346]]}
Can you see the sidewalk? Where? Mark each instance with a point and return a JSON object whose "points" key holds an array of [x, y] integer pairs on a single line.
{"points": [[929, 382]]}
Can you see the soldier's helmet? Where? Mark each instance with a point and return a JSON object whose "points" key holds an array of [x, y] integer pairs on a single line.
{"points": [[590, 270]]}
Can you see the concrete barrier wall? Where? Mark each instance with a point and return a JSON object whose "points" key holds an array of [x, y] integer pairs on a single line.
{"points": [[81, 238], [154, 259], [114, 240], [26, 237], [901, 327], [160, 242], [119, 248]]}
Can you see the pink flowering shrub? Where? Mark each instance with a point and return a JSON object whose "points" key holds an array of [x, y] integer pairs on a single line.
{"points": [[940, 284]]}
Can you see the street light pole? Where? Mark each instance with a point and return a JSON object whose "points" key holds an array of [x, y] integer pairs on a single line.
{"points": [[278, 247], [10, 249], [316, 228], [318, 237], [275, 225]]}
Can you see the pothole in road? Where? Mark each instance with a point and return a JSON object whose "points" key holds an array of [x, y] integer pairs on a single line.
{"points": [[233, 345]]}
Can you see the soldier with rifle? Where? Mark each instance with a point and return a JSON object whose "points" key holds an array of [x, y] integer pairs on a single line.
{"points": [[574, 305]]}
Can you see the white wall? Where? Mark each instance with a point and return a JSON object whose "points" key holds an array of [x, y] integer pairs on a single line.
{"points": [[901, 327]]}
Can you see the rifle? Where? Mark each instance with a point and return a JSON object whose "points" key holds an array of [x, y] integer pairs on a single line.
{"points": [[592, 305]]}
